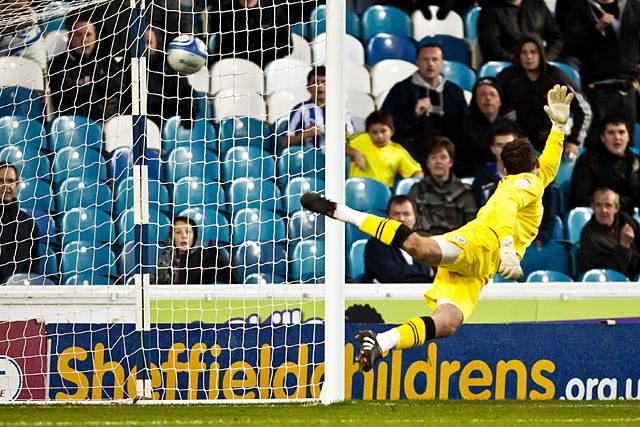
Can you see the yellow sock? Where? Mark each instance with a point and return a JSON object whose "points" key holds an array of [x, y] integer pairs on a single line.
{"points": [[412, 333], [383, 229]]}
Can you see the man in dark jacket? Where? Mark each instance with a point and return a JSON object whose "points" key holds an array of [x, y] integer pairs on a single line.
{"points": [[609, 164], [18, 231], [502, 25], [611, 238], [443, 202], [604, 35], [387, 264], [424, 100], [526, 84]]}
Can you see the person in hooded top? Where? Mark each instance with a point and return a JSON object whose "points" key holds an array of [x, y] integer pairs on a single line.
{"points": [[526, 84]]}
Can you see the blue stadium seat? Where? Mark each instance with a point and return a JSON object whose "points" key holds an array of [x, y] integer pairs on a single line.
{"points": [[558, 229], [78, 162], [352, 234], [87, 279], [76, 193], [87, 262], [201, 134], [268, 260], [571, 72], [257, 279], [87, 224], [254, 193], [23, 132], [75, 131], [27, 279], [492, 68], [296, 188], [48, 263], [305, 225], [355, 262], [213, 226], [390, 46], [259, 226], [244, 132], [247, 162], [603, 275], [158, 228], [318, 23], [578, 217], [471, 23], [544, 276], [299, 161], [120, 164], [385, 19], [460, 74], [193, 161], [193, 193], [453, 48], [552, 256], [565, 172], [28, 161], [280, 129], [205, 106], [129, 258], [308, 262], [404, 185], [637, 136], [21, 101], [47, 229], [35, 194], [158, 196], [367, 195]]}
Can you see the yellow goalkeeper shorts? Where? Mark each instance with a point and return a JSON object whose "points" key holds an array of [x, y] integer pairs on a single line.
{"points": [[461, 282]]}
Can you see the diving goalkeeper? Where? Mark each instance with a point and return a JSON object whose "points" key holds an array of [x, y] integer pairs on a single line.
{"points": [[469, 256]]}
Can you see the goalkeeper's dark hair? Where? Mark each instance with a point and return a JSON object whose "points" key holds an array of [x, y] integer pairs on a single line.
{"points": [[519, 156], [4, 164], [316, 71]]}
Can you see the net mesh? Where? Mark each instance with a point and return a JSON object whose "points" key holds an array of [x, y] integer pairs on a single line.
{"points": [[229, 151]]}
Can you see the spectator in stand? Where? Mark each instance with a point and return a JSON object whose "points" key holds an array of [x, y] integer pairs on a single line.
{"points": [[609, 164], [503, 23], [611, 238], [388, 264], [425, 103], [471, 134], [526, 84], [383, 158], [18, 231], [491, 173], [183, 263], [605, 39], [443, 202], [307, 119]]}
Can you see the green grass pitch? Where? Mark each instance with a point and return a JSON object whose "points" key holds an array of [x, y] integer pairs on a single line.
{"points": [[356, 413]]}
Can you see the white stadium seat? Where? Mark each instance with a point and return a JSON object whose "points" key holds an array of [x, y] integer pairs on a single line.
{"points": [[356, 77], [451, 25], [286, 73], [117, 133], [16, 71], [388, 72], [235, 73], [239, 102], [352, 49], [359, 104], [200, 81], [56, 42], [282, 102], [301, 49]]}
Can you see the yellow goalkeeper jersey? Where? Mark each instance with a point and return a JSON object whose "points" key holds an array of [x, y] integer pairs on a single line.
{"points": [[516, 206]]}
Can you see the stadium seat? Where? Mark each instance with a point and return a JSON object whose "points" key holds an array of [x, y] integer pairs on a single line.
{"points": [[48, 262], [260, 194], [367, 195], [308, 262], [87, 224], [243, 132], [281, 103], [318, 24], [558, 229], [234, 102], [35, 194], [603, 275], [21, 72], [387, 73], [191, 192], [247, 162], [298, 161], [195, 161], [212, 225], [128, 259], [118, 133], [29, 162], [296, 187], [355, 262], [578, 217], [200, 80], [471, 23], [158, 196], [87, 279], [256, 279], [360, 104], [451, 25], [460, 74], [286, 73], [268, 260], [205, 107], [56, 42], [353, 51], [76, 193], [280, 129], [201, 134], [301, 49], [492, 68], [454, 49], [305, 225], [120, 164], [75, 131], [47, 229], [545, 276], [257, 225], [20, 101], [359, 77], [93, 264], [565, 172], [236, 73], [637, 136], [390, 46], [385, 19], [352, 234], [571, 72], [158, 228], [404, 185], [27, 279], [22, 132], [552, 256]]}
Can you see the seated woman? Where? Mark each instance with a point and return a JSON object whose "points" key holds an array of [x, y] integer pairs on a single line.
{"points": [[183, 263]]}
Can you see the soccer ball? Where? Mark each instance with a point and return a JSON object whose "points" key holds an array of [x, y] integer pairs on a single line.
{"points": [[187, 54]]}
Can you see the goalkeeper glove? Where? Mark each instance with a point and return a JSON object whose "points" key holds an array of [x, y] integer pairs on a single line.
{"points": [[557, 107], [509, 263]]}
